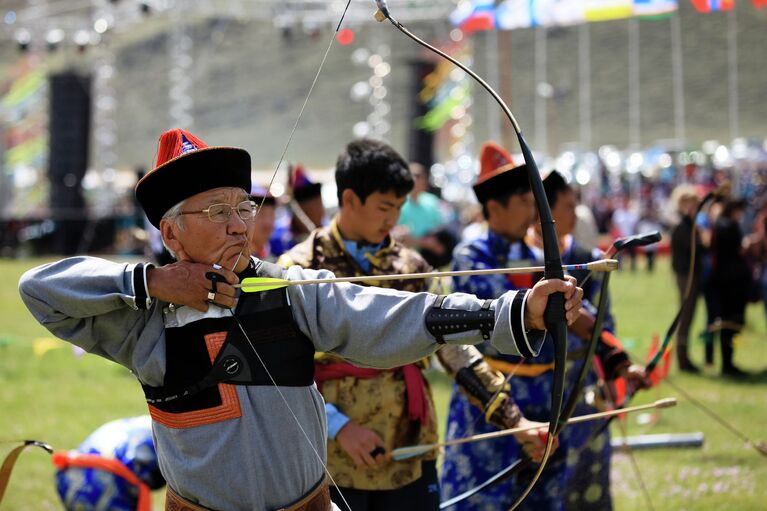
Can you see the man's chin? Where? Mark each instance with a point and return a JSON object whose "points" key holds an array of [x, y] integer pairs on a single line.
{"points": [[235, 259]]}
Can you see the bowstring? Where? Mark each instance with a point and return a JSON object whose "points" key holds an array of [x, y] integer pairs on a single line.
{"points": [[306, 101], [290, 409], [627, 449], [260, 206]]}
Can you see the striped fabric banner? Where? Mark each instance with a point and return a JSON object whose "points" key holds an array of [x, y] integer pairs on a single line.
{"points": [[655, 8], [713, 5], [604, 10], [515, 14]]}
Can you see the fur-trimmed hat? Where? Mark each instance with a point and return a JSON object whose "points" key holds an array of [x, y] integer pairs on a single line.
{"points": [[498, 176], [302, 187], [185, 167]]}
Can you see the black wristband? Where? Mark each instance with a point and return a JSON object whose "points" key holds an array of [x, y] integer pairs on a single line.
{"points": [[140, 287]]}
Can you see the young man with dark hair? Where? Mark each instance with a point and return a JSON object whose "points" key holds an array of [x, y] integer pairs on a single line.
{"points": [[370, 412], [367, 167]]}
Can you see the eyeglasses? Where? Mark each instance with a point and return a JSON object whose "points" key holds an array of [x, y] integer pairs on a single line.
{"points": [[220, 213]]}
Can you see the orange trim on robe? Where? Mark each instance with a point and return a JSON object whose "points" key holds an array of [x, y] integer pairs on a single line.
{"points": [[228, 409]]}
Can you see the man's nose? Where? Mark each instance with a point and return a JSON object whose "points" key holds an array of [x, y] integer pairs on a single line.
{"points": [[236, 225]]}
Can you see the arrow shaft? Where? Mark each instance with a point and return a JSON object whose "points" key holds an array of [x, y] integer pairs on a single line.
{"points": [[602, 265], [663, 403]]}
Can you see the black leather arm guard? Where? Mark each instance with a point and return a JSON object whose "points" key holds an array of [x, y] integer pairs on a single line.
{"points": [[441, 322], [480, 384]]}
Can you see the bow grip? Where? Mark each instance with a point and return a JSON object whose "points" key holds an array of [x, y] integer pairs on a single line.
{"points": [[554, 314]]}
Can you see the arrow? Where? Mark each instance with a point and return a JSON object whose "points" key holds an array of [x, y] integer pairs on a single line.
{"points": [[255, 284], [417, 450]]}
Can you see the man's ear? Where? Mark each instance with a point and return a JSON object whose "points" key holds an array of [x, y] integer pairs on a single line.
{"points": [[349, 199], [168, 231], [493, 207]]}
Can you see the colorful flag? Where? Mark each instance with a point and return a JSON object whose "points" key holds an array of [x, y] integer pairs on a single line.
{"points": [[713, 5], [603, 10], [474, 15], [511, 14], [655, 8]]}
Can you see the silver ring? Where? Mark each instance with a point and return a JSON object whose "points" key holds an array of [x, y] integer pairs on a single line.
{"points": [[217, 266], [211, 296]]}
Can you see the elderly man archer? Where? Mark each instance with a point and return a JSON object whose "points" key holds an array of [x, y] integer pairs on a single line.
{"points": [[237, 420]]}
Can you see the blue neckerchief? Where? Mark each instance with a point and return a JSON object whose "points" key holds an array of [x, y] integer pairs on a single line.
{"points": [[358, 250], [506, 252], [499, 247]]}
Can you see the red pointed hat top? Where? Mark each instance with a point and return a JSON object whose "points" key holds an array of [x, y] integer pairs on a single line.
{"points": [[173, 143], [187, 166], [298, 177], [493, 159], [498, 175], [301, 186]]}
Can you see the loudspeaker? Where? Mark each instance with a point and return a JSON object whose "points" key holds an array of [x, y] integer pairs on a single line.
{"points": [[69, 136], [420, 142]]}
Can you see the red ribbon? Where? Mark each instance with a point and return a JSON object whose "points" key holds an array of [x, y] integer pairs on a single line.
{"points": [[417, 404]]}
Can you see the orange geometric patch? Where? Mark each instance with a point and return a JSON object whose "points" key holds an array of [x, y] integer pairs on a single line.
{"points": [[228, 409]]}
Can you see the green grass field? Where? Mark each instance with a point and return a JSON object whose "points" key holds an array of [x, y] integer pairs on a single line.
{"points": [[59, 398]]}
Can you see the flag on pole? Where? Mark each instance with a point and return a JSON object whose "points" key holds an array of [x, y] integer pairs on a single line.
{"points": [[474, 15], [713, 5], [511, 14], [655, 8], [604, 10]]}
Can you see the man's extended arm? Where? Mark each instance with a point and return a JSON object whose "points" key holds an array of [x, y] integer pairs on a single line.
{"points": [[93, 304], [387, 328]]}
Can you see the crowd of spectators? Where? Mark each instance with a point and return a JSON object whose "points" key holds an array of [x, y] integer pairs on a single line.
{"points": [[730, 264]]}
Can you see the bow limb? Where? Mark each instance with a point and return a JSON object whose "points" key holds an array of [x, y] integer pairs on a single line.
{"points": [[10, 461], [572, 400], [687, 297], [554, 316], [569, 407], [658, 355]]}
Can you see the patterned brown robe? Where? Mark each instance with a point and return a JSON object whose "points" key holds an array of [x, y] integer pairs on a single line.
{"points": [[377, 403]]}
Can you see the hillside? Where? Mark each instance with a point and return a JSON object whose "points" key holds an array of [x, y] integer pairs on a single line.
{"points": [[248, 81]]}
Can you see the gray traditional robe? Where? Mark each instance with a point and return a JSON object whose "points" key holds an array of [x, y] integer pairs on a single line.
{"points": [[270, 456]]}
